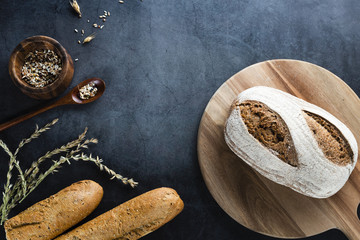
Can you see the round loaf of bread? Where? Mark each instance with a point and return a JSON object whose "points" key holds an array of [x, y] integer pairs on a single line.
{"points": [[291, 142]]}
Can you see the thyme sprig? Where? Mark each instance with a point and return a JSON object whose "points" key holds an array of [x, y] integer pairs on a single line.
{"points": [[28, 180]]}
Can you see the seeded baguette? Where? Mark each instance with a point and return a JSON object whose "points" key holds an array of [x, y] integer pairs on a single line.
{"points": [[54, 215], [132, 219]]}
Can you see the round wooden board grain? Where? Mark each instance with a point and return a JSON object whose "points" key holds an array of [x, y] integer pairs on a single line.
{"points": [[256, 202]]}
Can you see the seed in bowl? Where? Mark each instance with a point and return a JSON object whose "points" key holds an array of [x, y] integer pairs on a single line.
{"points": [[88, 91], [41, 68]]}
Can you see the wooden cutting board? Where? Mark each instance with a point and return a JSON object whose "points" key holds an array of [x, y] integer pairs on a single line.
{"points": [[256, 202]]}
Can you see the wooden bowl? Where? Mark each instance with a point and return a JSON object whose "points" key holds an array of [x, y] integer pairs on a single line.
{"points": [[17, 59]]}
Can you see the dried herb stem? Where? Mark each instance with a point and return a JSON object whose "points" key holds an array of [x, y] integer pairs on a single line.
{"points": [[36, 134], [8, 185], [53, 169], [23, 142], [98, 161], [28, 180], [34, 169]]}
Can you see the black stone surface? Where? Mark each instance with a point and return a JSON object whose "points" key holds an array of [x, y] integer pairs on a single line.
{"points": [[162, 61]]}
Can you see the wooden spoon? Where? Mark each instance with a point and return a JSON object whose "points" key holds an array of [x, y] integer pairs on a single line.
{"points": [[72, 97]]}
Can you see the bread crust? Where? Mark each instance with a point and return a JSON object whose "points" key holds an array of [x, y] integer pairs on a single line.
{"points": [[54, 215], [315, 175], [132, 219]]}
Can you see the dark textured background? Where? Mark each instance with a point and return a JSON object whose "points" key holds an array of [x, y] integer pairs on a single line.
{"points": [[162, 60]]}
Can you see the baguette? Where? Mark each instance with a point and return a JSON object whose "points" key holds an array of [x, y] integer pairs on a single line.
{"points": [[54, 215], [132, 219], [291, 142]]}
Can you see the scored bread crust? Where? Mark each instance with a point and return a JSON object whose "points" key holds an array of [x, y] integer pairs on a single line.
{"points": [[315, 175], [52, 216]]}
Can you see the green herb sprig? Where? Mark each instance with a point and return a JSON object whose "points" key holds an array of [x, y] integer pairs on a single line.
{"points": [[28, 180]]}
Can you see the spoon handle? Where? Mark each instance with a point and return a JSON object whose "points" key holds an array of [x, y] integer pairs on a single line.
{"points": [[26, 116], [71, 97]]}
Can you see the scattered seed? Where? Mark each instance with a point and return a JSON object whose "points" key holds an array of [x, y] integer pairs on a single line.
{"points": [[78, 41], [88, 20], [74, 4], [82, 32], [101, 27], [89, 38], [105, 12], [95, 25], [120, 1], [76, 30], [76, 59], [104, 19], [108, 13]]}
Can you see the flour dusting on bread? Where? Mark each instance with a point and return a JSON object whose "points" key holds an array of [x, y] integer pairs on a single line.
{"points": [[291, 142]]}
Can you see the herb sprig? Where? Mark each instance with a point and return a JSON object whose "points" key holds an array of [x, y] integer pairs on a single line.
{"points": [[28, 180]]}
